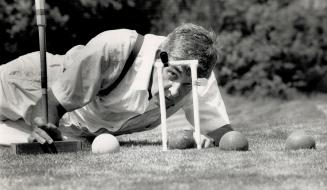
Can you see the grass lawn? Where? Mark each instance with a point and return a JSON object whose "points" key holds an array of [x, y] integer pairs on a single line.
{"points": [[141, 164]]}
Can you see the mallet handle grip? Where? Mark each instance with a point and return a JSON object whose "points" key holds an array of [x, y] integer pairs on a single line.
{"points": [[40, 12]]}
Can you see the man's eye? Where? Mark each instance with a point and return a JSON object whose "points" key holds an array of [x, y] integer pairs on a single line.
{"points": [[187, 84]]}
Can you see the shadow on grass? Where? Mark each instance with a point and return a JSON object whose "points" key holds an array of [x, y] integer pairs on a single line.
{"points": [[130, 143], [87, 142]]}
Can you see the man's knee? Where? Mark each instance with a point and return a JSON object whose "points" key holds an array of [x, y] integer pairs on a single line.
{"points": [[14, 132]]}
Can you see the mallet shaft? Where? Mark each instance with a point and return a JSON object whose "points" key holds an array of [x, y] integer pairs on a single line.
{"points": [[41, 23]]}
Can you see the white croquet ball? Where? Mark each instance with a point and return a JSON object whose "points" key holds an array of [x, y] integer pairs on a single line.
{"points": [[105, 143]]}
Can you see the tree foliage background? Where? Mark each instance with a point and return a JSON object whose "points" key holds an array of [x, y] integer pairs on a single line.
{"points": [[269, 47]]}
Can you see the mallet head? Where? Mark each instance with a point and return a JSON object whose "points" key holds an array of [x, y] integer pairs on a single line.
{"points": [[164, 58]]}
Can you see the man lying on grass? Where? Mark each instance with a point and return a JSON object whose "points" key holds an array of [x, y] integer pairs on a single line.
{"points": [[83, 95]]}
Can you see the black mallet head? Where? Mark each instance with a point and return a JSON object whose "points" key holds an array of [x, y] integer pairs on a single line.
{"points": [[164, 58]]}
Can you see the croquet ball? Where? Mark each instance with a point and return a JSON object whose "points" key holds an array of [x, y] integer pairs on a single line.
{"points": [[299, 140], [234, 140], [181, 140], [105, 143]]}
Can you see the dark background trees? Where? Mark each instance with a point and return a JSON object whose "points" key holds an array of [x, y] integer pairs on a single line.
{"points": [[68, 23], [270, 47]]}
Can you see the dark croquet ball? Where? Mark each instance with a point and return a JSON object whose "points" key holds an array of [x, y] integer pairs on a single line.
{"points": [[234, 140], [300, 140], [181, 140]]}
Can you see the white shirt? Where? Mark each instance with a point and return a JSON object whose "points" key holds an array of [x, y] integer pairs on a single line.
{"points": [[76, 77], [127, 108]]}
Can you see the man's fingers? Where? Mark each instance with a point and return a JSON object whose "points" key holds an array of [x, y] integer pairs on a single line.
{"points": [[205, 141], [208, 143], [38, 138], [41, 133], [45, 132]]}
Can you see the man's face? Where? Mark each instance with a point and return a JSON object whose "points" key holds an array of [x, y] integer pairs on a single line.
{"points": [[176, 80], [179, 83], [172, 73]]}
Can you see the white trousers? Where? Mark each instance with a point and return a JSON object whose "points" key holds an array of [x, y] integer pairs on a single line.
{"points": [[18, 132], [14, 132]]}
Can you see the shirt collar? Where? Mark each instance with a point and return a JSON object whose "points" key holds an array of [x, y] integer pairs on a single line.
{"points": [[146, 59]]}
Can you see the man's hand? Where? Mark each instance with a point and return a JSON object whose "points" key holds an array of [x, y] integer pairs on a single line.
{"points": [[44, 132], [186, 139], [206, 141]]}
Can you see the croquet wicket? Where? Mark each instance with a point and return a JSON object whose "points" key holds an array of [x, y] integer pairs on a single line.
{"points": [[193, 64]]}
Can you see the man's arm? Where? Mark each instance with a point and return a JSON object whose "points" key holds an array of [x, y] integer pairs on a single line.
{"points": [[76, 86], [42, 131], [86, 69]]}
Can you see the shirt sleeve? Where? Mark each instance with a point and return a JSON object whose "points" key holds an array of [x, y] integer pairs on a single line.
{"points": [[212, 109], [86, 68]]}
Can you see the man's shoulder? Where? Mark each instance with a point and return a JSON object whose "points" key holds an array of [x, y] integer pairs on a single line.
{"points": [[113, 39], [117, 34], [122, 31]]}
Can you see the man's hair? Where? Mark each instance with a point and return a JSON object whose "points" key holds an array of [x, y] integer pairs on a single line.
{"points": [[190, 41]]}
